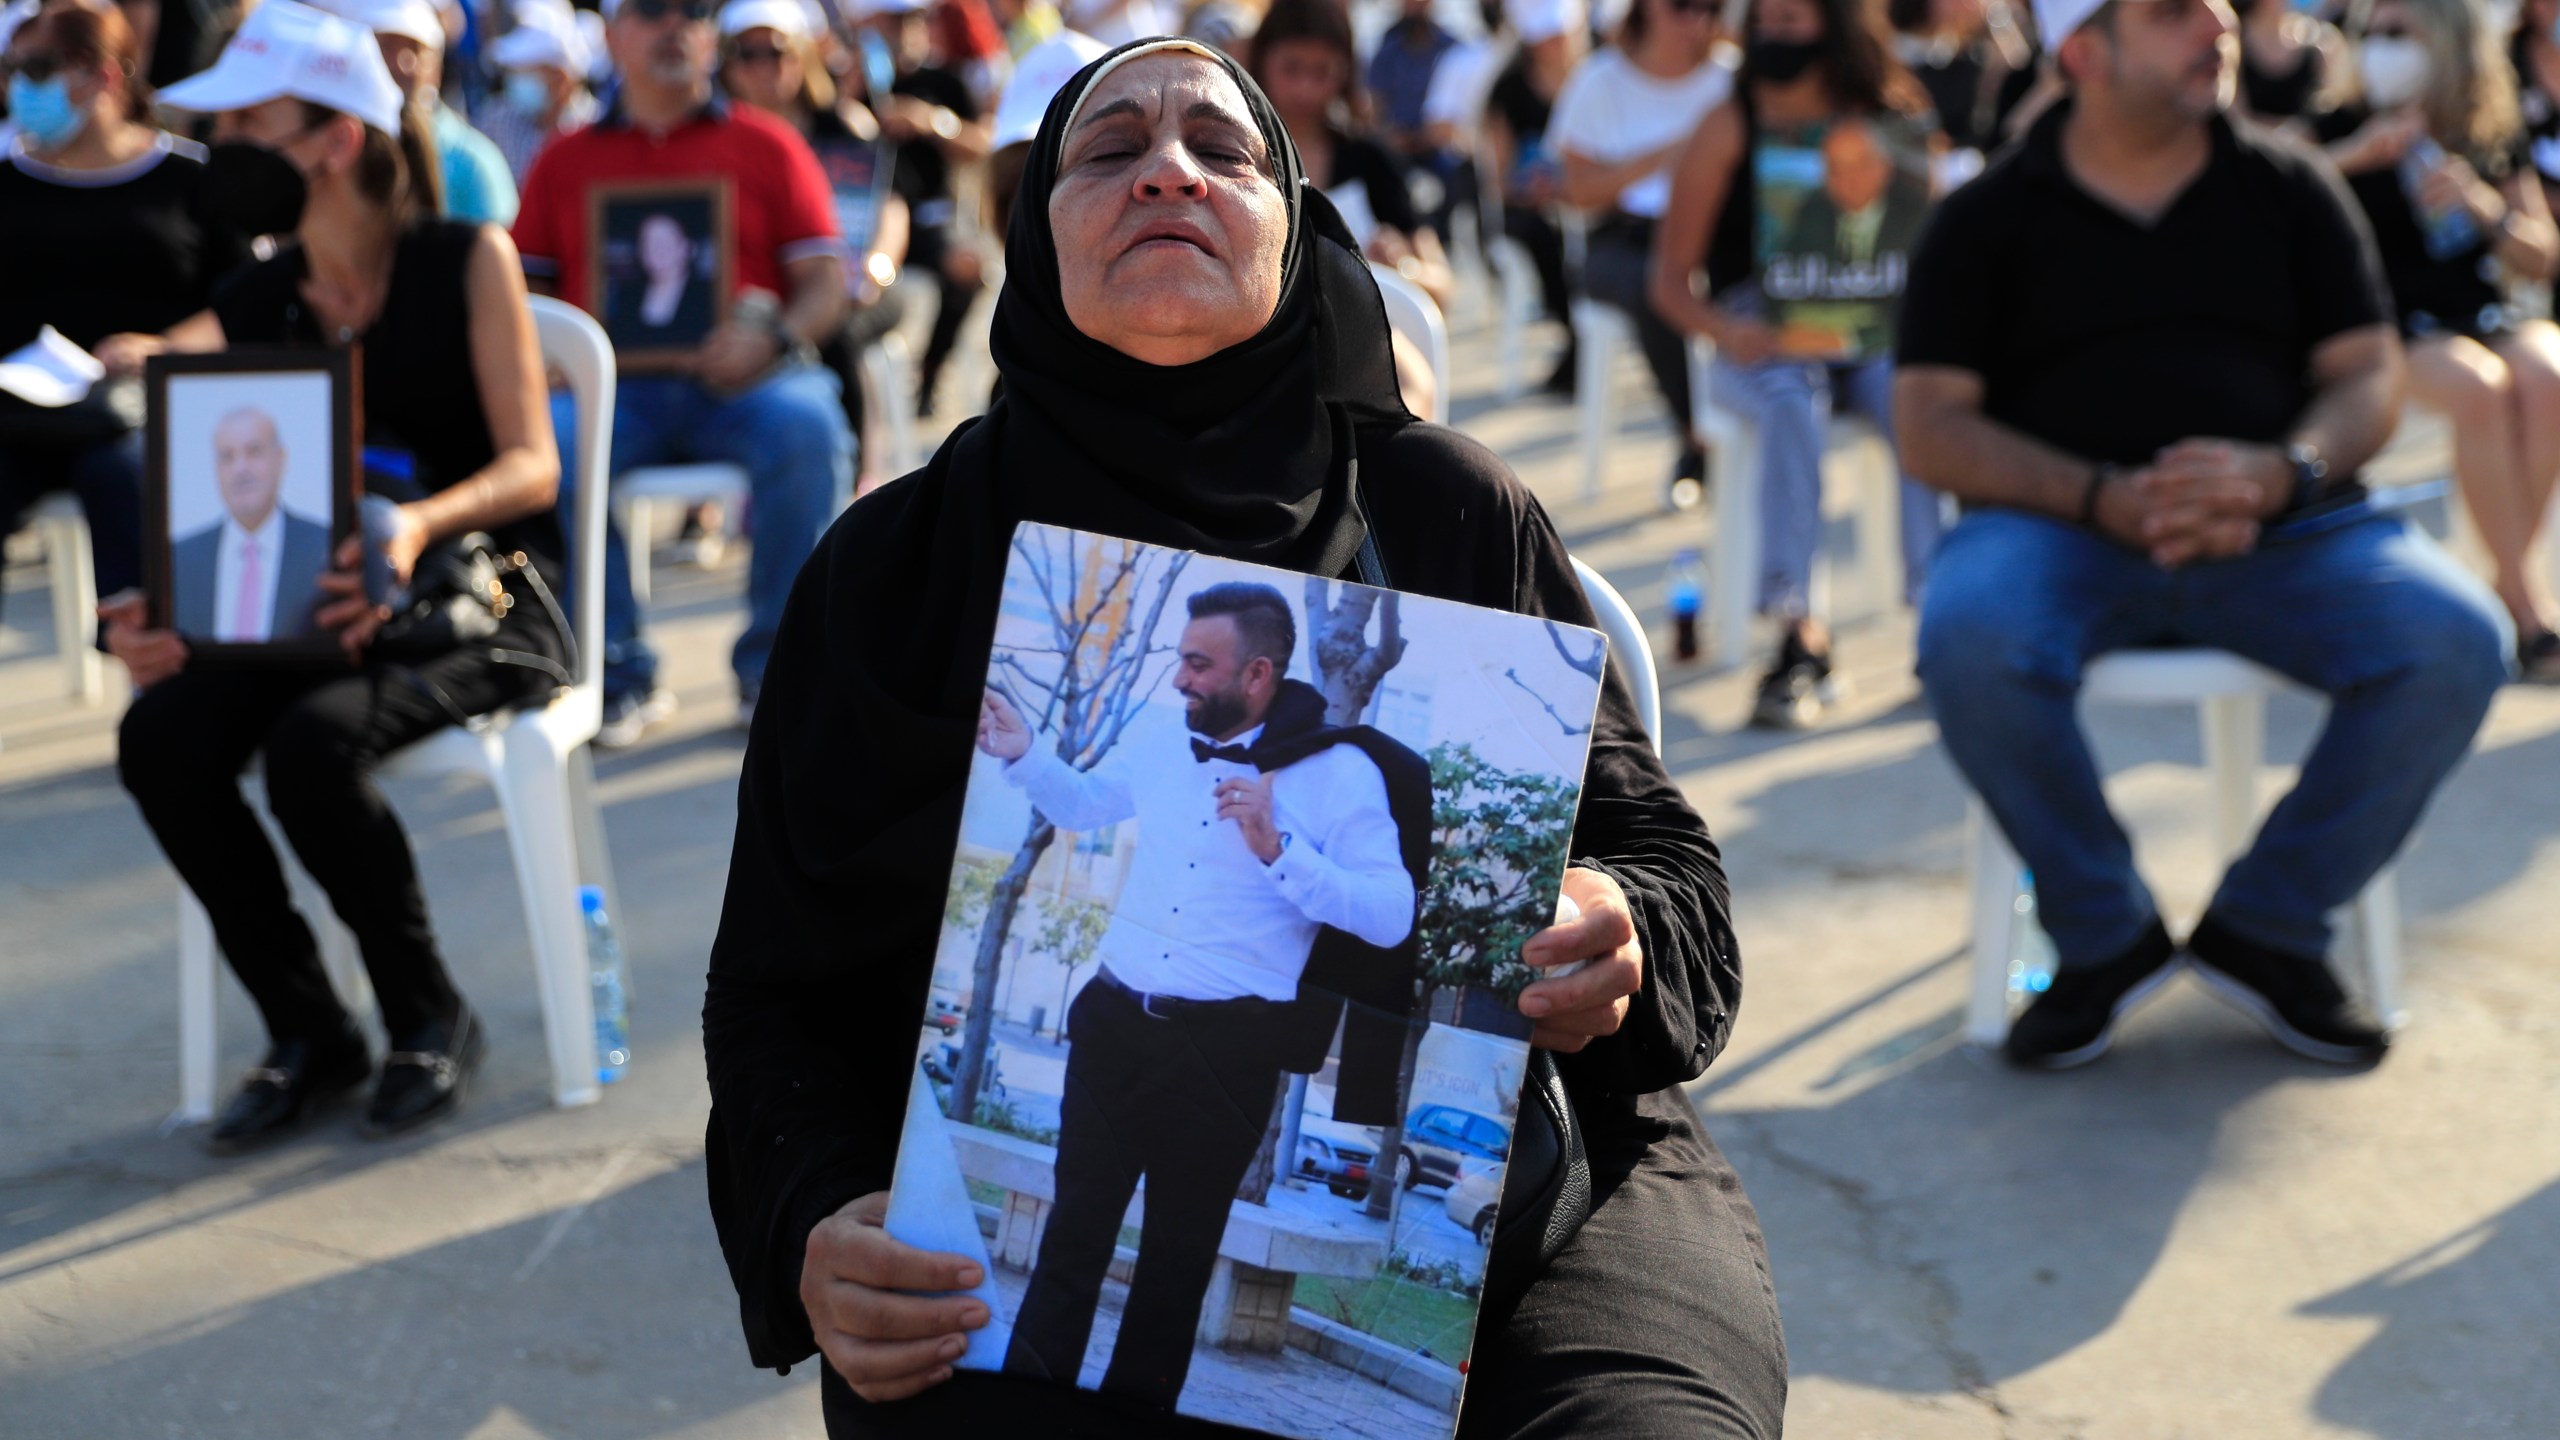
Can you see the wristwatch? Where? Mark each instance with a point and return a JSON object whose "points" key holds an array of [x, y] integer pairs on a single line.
{"points": [[2310, 474]]}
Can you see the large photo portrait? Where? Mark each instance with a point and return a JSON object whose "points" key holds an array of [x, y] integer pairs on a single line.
{"points": [[660, 278], [1840, 204], [252, 476], [1223, 1058]]}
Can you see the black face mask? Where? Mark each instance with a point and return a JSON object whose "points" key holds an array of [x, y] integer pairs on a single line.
{"points": [[253, 189], [1780, 60]]}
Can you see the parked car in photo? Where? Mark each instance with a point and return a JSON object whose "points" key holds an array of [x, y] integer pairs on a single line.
{"points": [[946, 1014], [1442, 1139], [943, 1062], [1341, 1165], [1472, 1202]]}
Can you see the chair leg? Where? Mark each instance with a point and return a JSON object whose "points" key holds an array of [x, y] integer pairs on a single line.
{"points": [[2377, 924], [533, 794], [1734, 573], [75, 595], [586, 817], [1592, 401], [196, 1013], [2235, 737], [1995, 900], [636, 536]]}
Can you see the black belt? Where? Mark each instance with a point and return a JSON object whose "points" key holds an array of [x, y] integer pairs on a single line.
{"points": [[1169, 1007]]}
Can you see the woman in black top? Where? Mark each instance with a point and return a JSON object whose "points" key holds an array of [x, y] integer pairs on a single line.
{"points": [[1523, 100], [2436, 154], [458, 432], [111, 212], [1303, 58], [2534, 50], [1235, 398], [1817, 84]]}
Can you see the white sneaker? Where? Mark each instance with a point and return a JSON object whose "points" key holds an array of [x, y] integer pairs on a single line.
{"points": [[628, 717]]}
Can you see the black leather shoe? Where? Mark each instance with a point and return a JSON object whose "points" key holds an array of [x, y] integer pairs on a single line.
{"points": [[424, 1080], [297, 1079], [2294, 996], [2074, 1020]]}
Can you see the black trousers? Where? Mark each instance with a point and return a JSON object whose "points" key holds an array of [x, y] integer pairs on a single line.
{"points": [[1615, 272], [322, 731], [107, 476], [1182, 1101], [1657, 1322]]}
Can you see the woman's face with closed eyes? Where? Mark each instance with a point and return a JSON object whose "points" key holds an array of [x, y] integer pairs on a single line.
{"points": [[1170, 230]]}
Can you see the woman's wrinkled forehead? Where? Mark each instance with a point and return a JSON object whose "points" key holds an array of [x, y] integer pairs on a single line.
{"points": [[1200, 56]]}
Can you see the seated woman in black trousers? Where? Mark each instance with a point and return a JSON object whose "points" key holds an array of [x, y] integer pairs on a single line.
{"points": [[1193, 355], [453, 383]]}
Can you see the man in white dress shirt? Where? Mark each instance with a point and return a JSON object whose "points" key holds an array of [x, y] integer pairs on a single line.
{"points": [[1251, 846], [254, 574]]}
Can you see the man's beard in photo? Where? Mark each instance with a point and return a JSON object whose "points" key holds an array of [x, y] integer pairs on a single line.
{"points": [[1217, 714]]}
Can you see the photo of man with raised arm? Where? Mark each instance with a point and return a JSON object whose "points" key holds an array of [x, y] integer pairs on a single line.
{"points": [[1270, 830]]}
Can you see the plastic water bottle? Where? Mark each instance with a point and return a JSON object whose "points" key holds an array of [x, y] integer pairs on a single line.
{"points": [[1688, 593], [607, 981], [2448, 232], [2031, 957]]}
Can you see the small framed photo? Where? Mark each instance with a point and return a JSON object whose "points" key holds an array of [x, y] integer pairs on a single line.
{"points": [[251, 484], [660, 278]]}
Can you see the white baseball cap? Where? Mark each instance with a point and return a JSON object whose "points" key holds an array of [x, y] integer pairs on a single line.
{"points": [[1038, 76], [1538, 20], [411, 19], [546, 33], [857, 11], [2056, 19], [287, 48], [789, 17]]}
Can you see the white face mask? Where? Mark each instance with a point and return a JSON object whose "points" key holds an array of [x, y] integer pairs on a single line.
{"points": [[2395, 70]]}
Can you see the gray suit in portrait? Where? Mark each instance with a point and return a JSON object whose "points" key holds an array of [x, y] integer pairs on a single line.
{"points": [[195, 564]]}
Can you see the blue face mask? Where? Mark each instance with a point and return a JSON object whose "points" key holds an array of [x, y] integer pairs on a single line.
{"points": [[527, 92], [43, 109]]}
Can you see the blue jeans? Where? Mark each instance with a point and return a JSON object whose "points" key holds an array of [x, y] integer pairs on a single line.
{"points": [[2407, 646], [1789, 402], [788, 434]]}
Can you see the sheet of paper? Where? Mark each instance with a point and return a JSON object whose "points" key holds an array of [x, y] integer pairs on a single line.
{"points": [[50, 371]]}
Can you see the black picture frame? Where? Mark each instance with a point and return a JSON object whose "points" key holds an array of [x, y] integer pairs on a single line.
{"points": [[174, 436], [700, 207]]}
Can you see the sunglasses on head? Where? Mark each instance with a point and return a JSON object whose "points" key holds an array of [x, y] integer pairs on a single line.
{"points": [[691, 10], [758, 54]]}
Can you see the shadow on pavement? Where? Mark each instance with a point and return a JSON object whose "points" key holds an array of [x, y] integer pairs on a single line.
{"points": [[2460, 1340], [626, 1328]]}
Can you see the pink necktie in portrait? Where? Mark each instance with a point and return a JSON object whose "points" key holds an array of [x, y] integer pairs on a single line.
{"points": [[246, 623]]}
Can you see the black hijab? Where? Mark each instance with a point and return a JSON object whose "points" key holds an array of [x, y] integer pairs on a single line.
{"points": [[858, 761]]}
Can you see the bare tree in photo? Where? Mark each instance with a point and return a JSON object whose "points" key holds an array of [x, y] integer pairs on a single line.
{"points": [[1103, 599], [1349, 667], [1592, 665]]}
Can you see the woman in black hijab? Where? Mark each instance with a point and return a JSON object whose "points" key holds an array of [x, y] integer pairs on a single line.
{"points": [[1193, 355]]}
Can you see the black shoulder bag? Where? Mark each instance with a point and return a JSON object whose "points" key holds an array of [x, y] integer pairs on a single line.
{"points": [[1546, 1181]]}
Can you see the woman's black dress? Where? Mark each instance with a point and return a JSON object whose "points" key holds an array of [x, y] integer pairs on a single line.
{"points": [[1659, 1317]]}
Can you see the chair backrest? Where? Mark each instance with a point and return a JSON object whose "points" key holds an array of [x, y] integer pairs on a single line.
{"points": [[575, 345], [1628, 645], [1412, 313]]}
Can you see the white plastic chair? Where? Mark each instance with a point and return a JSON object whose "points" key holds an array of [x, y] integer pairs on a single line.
{"points": [[1515, 275], [1855, 459], [1628, 645], [537, 761], [64, 529], [889, 369], [1412, 313], [2230, 696], [637, 494]]}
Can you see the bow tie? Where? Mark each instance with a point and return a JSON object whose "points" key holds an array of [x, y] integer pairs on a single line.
{"points": [[1204, 752]]}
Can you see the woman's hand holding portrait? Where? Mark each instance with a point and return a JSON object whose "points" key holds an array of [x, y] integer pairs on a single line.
{"points": [[888, 1344], [1573, 1010], [149, 655]]}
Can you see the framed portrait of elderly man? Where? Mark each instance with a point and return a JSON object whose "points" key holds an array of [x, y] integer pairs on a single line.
{"points": [[251, 484], [660, 279], [1223, 1061]]}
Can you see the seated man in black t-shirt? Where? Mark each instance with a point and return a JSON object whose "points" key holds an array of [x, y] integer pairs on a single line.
{"points": [[2149, 348]]}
